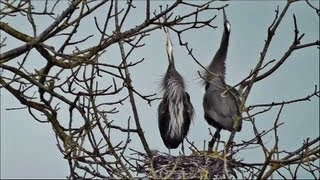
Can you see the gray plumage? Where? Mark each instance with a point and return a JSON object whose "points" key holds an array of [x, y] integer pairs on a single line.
{"points": [[175, 111], [221, 107]]}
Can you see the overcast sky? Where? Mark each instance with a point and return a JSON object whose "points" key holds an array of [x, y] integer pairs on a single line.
{"points": [[28, 148]]}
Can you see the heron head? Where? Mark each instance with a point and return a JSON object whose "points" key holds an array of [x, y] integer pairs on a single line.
{"points": [[226, 22], [169, 45]]}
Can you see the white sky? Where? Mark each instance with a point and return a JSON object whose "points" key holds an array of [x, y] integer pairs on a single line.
{"points": [[28, 148]]}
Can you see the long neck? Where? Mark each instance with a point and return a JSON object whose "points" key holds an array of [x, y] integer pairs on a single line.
{"points": [[171, 67], [172, 77], [224, 43], [170, 59], [217, 65]]}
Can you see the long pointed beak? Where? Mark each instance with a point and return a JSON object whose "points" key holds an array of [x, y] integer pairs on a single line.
{"points": [[169, 45], [224, 15], [166, 30], [226, 21]]}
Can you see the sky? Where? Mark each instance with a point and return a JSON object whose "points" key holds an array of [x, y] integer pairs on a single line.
{"points": [[28, 148]]}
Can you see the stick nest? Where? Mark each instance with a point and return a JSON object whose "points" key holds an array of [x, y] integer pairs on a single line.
{"points": [[201, 165]]}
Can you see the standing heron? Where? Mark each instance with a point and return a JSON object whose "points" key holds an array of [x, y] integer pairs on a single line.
{"points": [[221, 102], [175, 111]]}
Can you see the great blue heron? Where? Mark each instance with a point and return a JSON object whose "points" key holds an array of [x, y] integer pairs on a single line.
{"points": [[175, 111], [221, 102]]}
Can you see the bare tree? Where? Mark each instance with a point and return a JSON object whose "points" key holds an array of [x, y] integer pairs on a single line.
{"points": [[77, 86]]}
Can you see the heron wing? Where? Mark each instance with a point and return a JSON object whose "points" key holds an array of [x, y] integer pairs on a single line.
{"points": [[221, 108], [163, 118], [188, 113]]}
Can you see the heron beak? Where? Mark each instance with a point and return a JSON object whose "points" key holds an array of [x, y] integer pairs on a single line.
{"points": [[226, 21], [167, 35], [224, 15], [169, 44]]}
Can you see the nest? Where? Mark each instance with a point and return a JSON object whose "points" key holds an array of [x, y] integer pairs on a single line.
{"points": [[201, 165]]}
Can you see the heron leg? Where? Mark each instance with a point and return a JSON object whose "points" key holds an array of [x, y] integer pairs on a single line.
{"points": [[169, 151], [230, 141], [217, 146], [182, 147], [215, 136]]}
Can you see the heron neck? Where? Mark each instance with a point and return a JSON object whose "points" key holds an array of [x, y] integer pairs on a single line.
{"points": [[171, 66], [218, 64], [171, 60], [224, 42]]}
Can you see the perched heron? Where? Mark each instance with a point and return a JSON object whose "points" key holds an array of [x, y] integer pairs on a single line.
{"points": [[221, 102], [175, 111]]}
